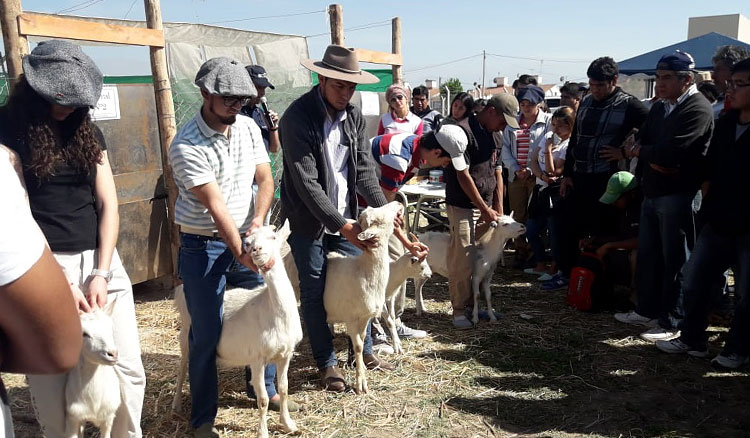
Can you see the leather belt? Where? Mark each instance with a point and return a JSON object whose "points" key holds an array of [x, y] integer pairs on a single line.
{"points": [[200, 232]]}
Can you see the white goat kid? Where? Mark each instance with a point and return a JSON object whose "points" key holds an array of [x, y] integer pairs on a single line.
{"points": [[404, 267], [489, 250], [355, 286], [92, 389], [261, 326]]}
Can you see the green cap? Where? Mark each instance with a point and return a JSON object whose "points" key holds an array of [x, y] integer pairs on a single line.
{"points": [[618, 184]]}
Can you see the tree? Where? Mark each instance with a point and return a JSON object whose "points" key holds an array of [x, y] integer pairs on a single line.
{"points": [[454, 85]]}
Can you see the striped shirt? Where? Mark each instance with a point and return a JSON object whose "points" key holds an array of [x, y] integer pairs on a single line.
{"points": [[398, 157], [523, 142], [200, 155], [389, 124]]}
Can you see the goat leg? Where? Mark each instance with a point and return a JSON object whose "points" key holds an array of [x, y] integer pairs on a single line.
{"points": [[181, 370], [105, 430], [488, 293], [418, 283], [259, 385], [389, 314], [358, 336], [282, 368], [475, 280]]}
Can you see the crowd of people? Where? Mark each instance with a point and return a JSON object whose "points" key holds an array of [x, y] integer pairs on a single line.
{"points": [[653, 189]]}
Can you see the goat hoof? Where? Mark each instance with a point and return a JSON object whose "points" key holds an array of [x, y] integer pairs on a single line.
{"points": [[289, 426], [263, 433]]}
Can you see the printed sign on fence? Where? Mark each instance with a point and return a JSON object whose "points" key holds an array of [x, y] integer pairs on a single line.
{"points": [[108, 106]]}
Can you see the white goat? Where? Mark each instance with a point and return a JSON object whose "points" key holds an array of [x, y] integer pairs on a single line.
{"points": [[92, 390], [489, 249], [260, 326], [355, 286], [406, 266]]}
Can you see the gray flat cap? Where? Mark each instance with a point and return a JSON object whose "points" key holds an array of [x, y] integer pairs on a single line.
{"points": [[225, 77], [61, 73]]}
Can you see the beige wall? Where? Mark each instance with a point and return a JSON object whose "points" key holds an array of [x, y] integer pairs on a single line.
{"points": [[734, 26]]}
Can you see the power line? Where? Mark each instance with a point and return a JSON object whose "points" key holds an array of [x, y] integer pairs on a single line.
{"points": [[443, 63], [269, 16], [79, 6], [130, 9], [576, 61], [355, 28]]}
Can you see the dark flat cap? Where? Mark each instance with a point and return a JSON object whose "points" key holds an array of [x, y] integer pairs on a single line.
{"points": [[225, 77], [61, 73]]}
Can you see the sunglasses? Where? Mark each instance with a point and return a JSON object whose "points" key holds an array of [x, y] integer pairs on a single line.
{"points": [[230, 101], [398, 97]]}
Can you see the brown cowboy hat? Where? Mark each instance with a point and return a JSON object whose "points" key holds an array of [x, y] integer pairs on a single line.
{"points": [[340, 63]]}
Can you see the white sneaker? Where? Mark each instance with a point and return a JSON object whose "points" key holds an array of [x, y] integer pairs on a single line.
{"points": [[732, 361], [634, 318], [408, 332], [380, 345], [660, 334], [676, 346]]}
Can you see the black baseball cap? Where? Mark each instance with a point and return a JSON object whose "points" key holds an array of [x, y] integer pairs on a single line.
{"points": [[259, 76]]}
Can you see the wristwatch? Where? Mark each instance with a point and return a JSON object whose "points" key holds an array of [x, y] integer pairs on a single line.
{"points": [[107, 275]]}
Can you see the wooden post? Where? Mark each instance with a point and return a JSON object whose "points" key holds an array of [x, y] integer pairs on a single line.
{"points": [[166, 118], [16, 45], [336, 15], [396, 48]]}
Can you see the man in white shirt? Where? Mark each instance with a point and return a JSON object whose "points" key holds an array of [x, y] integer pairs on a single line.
{"points": [[215, 158]]}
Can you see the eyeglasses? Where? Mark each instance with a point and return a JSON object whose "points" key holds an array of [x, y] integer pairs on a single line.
{"points": [[734, 85], [230, 101], [398, 97]]}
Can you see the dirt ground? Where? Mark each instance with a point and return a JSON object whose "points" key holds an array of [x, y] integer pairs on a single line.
{"points": [[544, 370]]}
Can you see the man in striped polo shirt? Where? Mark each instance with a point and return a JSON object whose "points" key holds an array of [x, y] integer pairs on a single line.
{"points": [[215, 158]]}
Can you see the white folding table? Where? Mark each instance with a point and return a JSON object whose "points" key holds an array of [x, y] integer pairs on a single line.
{"points": [[424, 192]]}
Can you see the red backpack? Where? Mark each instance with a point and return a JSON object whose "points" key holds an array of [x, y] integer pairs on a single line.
{"points": [[589, 286]]}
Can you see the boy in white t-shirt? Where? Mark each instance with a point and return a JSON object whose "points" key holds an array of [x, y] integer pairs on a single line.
{"points": [[38, 317]]}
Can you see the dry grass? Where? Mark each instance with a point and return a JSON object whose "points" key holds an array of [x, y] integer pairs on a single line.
{"points": [[544, 370]]}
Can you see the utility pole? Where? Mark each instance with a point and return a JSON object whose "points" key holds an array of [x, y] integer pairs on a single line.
{"points": [[337, 24], [484, 69]]}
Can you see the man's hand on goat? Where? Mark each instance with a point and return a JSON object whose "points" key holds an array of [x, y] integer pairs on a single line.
{"points": [[256, 223], [96, 292], [351, 231], [398, 221], [247, 260], [79, 298], [418, 250], [489, 215]]}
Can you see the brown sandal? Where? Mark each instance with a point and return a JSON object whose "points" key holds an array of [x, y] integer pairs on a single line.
{"points": [[332, 379]]}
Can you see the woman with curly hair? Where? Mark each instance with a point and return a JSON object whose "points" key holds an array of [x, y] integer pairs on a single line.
{"points": [[73, 199]]}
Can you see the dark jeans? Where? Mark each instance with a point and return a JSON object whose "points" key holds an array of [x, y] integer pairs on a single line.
{"points": [[206, 267], [534, 229], [310, 255], [712, 255], [665, 237], [581, 215]]}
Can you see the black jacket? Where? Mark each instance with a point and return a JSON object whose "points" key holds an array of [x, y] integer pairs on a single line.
{"points": [[304, 185], [726, 206], [677, 144]]}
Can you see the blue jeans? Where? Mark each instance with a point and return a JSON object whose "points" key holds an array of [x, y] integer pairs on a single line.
{"points": [[666, 235], [310, 255], [206, 267], [713, 254]]}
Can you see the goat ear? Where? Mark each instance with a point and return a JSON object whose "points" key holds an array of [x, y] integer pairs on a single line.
{"points": [[511, 214], [110, 306]]}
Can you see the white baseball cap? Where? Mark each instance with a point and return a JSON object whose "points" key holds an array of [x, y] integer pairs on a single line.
{"points": [[453, 139]]}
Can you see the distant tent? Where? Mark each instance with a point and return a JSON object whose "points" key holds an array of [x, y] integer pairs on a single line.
{"points": [[702, 49]]}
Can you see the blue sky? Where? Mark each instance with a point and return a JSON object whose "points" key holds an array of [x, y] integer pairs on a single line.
{"points": [[437, 32]]}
